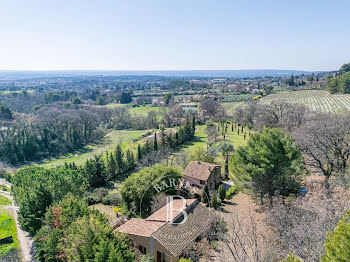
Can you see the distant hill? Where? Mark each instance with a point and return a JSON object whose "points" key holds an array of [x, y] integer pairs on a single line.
{"points": [[11, 75]]}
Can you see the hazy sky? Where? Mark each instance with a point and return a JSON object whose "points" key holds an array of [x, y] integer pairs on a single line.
{"points": [[174, 34]]}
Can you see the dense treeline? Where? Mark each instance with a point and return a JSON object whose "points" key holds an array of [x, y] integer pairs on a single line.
{"points": [[73, 232], [116, 164], [65, 229], [50, 132], [36, 188], [340, 83]]}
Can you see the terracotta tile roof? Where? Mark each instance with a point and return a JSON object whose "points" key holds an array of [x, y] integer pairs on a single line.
{"points": [[162, 213], [199, 170], [177, 237], [140, 227]]}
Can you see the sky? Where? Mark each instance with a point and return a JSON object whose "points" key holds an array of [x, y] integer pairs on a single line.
{"points": [[174, 34]]}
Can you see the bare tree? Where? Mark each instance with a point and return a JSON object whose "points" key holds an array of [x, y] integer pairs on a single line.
{"points": [[243, 240], [281, 115], [302, 225], [325, 141], [212, 109]]}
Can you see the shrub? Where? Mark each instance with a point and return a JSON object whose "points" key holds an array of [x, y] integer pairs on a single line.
{"points": [[231, 191], [146, 258], [91, 199], [222, 192], [219, 201], [112, 199], [100, 193], [291, 258], [185, 260]]}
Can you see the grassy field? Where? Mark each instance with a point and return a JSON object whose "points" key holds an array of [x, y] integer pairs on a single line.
{"points": [[128, 140], [201, 140], [105, 209], [144, 110], [317, 100], [138, 110], [7, 227], [4, 201]]}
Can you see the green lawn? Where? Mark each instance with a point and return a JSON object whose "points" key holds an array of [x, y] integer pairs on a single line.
{"points": [[124, 137], [144, 110], [7, 228], [201, 140], [4, 201], [113, 105]]}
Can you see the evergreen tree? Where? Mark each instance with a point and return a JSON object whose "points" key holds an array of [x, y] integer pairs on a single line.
{"points": [[222, 192], [214, 201], [111, 165], [270, 161], [205, 194], [155, 143], [188, 131], [130, 159], [337, 244], [119, 158], [193, 126], [139, 152], [182, 135]]}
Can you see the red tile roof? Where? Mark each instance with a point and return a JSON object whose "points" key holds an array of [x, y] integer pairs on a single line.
{"points": [[162, 213], [199, 170], [140, 227]]}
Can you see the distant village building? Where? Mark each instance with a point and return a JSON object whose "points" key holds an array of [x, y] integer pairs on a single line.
{"points": [[218, 80], [188, 107], [199, 173], [166, 238]]}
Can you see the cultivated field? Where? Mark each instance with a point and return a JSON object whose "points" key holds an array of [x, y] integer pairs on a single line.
{"points": [[318, 100]]}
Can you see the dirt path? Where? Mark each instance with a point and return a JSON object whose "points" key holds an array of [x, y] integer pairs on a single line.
{"points": [[25, 242], [246, 230]]}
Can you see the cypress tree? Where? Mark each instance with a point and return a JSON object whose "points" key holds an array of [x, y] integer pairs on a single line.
{"points": [[193, 126], [139, 152], [155, 143], [214, 201], [111, 165], [130, 160], [222, 192], [205, 194], [119, 158]]}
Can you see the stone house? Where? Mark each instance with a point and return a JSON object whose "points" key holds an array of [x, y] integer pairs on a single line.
{"points": [[199, 173], [168, 238]]}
